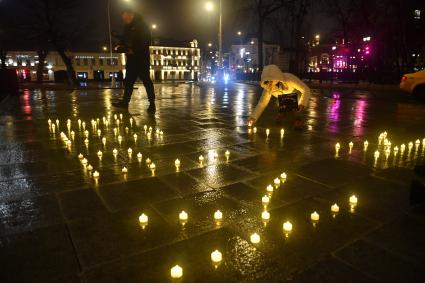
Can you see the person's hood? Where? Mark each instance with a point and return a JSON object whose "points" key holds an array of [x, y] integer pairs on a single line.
{"points": [[271, 73]]}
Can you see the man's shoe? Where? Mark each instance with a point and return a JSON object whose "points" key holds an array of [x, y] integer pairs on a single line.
{"points": [[152, 109], [120, 104]]}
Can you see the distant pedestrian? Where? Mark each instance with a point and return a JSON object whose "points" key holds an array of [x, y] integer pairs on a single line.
{"points": [[293, 96], [135, 44]]}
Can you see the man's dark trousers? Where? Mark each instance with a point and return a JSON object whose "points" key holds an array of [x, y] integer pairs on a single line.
{"points": [[135, 68]]}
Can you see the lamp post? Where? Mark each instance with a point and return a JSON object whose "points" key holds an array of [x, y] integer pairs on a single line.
{"points": [[239, 33], [209, 6], [110, 44], [153, 27]]}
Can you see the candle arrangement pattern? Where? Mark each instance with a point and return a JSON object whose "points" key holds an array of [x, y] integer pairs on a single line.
{"points": [[87, 136]]}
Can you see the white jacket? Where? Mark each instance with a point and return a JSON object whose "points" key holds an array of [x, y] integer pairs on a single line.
{"points": [[292, 83]]}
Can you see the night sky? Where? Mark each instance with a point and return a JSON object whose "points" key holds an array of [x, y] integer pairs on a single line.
{"points": [[177, 19]]}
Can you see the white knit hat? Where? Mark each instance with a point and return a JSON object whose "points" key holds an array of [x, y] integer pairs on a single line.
{"points": [[271, 73]]}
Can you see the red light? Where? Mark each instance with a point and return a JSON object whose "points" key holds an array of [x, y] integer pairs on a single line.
{"points": [[403, 78]]}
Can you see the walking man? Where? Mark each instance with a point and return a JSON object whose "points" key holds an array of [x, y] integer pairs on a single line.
{"points": [[135, 44]]}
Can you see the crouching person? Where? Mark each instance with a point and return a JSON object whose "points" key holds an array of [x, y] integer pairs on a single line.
{"points": [[292, 94]]}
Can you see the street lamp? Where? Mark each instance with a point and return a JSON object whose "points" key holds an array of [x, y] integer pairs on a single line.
{"points": [[110, 43], [210, 44], [153, 27], [209, 6], [239, 33], [105, 48]]}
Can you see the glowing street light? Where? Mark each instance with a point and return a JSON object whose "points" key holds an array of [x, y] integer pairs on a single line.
{"points": [[239, 33], [153, 27], [209, 44], [209, 6], [105, 48]]}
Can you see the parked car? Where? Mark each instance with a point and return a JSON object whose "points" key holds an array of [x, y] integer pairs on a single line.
{"points": [[414, 83]]}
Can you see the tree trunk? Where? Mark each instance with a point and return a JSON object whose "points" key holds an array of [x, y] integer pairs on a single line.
{"points": [[3, 54], [42, 54], [69, 67]]}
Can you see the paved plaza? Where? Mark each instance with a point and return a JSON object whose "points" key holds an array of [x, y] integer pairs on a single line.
{"points": [[60, 223]]}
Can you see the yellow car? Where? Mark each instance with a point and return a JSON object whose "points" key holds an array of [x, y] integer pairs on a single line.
{"points": [[414, 83]]}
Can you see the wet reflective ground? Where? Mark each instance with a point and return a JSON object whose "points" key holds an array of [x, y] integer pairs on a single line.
{"points": [[58, 223]]}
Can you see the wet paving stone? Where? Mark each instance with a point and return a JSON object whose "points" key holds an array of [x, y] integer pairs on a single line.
{"points": [[241, 261], [220, 175], [332, 271], [381, 264], [184, 184], [307, 243], [378, 199], [247, 195], [82, 204], [105, 238], [44, 254], [260, 163], [135, 193], [60, 224], [29, 214], [338, 172], [200, 209], [295, 188], [400, 175], [403, 236]]}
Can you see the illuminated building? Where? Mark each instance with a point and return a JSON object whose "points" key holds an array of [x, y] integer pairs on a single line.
{"points": [[167, 63], [175, 63], [243, 58], [335, 57], [87, 65]]}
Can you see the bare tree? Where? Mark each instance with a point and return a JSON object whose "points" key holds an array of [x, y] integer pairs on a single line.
{"points": [[262, 10], [56, 23], [290, 23], [42, 54], [343, 11]]}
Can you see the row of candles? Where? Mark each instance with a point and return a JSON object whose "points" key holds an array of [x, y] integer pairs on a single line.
{"points": [[255, 130], [95, 123], [216, 256], [386, 147], [81, 124], [118, 121], [176, 272], [149, 163]]}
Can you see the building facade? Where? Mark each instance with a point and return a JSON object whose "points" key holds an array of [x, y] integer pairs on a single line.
{"points": [[243, 58], [167, 63]]}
